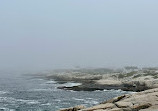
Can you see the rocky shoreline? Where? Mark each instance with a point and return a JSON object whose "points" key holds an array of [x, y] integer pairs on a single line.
{"points": [[144, 81], [141, 101], [127, 81]]}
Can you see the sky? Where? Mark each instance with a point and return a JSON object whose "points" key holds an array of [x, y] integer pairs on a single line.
{"points": [[50, 34]]}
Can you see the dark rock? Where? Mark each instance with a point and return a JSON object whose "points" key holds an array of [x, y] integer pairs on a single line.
{"points": [[79, 88], [116, 99], [135, 86]]}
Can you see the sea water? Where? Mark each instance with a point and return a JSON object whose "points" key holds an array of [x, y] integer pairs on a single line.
{"points": [[25, 93]]}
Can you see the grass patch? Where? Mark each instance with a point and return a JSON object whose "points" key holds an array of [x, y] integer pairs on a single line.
{"points": [[121, 76], [155, 77], [131, 74], [136, 76]]}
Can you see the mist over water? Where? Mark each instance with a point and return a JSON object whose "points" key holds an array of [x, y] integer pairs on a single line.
{"points": [[38, 35]]}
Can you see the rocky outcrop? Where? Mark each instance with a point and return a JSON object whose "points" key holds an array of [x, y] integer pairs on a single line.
{"points": [[80, 88], [127, 79], [91, 80], [135, 86], [101, 82], [141, 101]]}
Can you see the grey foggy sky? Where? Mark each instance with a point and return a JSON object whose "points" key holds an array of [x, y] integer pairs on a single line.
{"points": [[38, 34]]}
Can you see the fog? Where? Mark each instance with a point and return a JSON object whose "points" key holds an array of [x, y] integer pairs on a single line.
{"points": [[44, 35]]}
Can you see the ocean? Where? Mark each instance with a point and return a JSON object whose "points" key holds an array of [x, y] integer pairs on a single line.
{"points": [[19, 92]]}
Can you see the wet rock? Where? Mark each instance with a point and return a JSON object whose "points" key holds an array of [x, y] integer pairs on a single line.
{"points": [[136, 86], [80, 88]]}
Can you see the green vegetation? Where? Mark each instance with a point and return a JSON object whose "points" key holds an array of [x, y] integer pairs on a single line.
{"points": [[121, 75], [150, 74], [136, 76], [131, 73], [155, 77]]}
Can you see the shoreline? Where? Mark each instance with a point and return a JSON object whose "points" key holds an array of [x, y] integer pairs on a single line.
{"points": [[140, 101], [99, 82], [144, 82]]}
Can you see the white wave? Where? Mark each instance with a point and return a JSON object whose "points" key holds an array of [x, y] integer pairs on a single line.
{"points": [[97, 90], [91, 102], [65, 103], [39, 90], [3, 92], [77, 99], [6, 109], [27, 101], [89, 98], [57, 100], [105, 90], [46, 104], [51, 82], [69, 91], [7, 99], [48, 89], [71, 84], [11, 100], [113, 90]]}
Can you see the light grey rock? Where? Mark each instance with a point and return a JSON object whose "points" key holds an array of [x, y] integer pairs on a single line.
{"points": [[122, 104], [101, 106]]}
